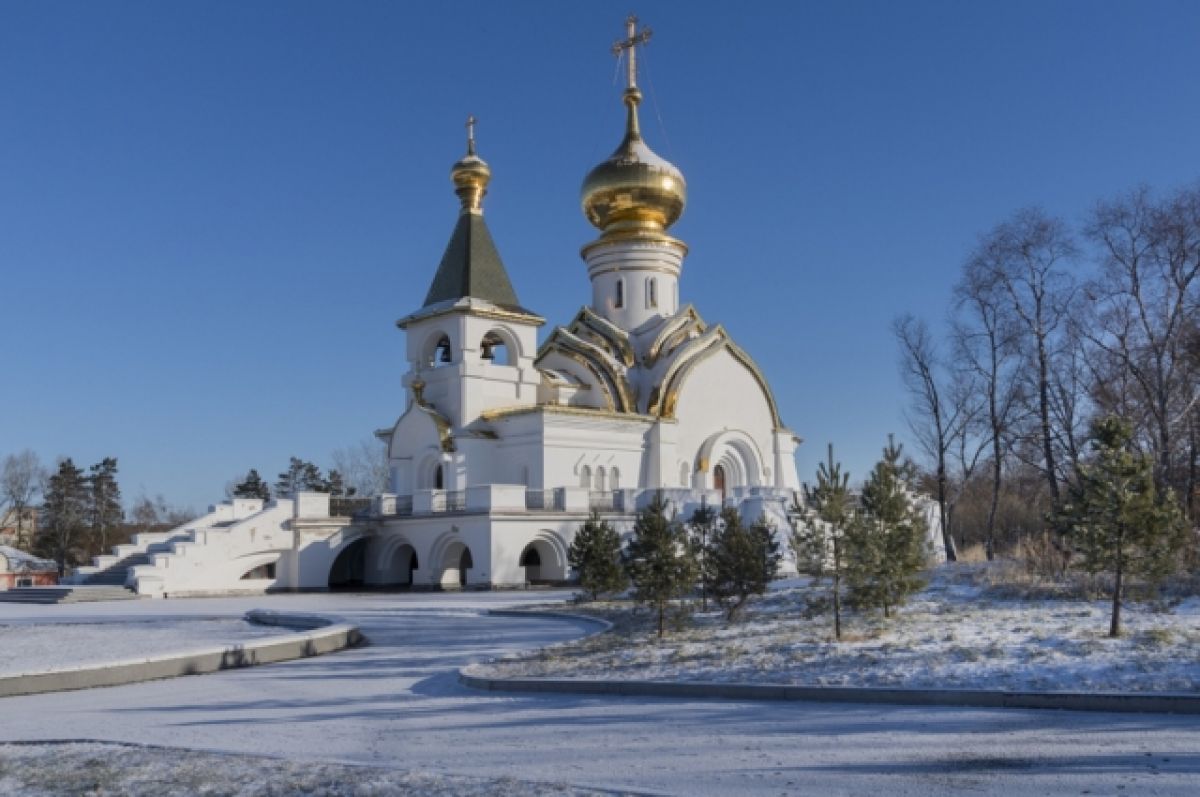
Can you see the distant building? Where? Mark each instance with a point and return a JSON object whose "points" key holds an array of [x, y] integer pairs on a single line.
{"points": [[17, 530], [20, 569]]}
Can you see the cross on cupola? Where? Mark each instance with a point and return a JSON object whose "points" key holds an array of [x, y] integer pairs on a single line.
{"points": [[471, 120], [632, 39]]}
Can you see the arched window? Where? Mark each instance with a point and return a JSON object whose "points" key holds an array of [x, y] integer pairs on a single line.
{"points": [[614, 479], [439, 479], [620, 301], [585, 477], [600, 480], [651, 292], [719, 481], [493, 349]]}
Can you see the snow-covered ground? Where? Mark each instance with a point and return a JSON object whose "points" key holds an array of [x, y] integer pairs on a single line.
{"points": [[397, 704], [27, 647], [101, 770], [954, 634]]}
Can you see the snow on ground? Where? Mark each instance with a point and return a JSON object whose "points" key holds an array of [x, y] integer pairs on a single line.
{"points": [[96, 769], [28, 648], [397, 704], [955, 634]]}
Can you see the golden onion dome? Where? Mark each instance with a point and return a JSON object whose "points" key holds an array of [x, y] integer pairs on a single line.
{"points": [[634, 189], [471, 175]]}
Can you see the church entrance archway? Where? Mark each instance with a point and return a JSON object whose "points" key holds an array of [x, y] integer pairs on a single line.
{"points": [[349, 567], [457, 563]]}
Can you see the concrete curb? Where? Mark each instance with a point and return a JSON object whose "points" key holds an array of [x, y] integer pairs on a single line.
{"points": [[319, 636], [1120, 702]]}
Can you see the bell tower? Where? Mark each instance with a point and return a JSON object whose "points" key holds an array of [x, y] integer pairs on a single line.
{"points": [[472, 345]]}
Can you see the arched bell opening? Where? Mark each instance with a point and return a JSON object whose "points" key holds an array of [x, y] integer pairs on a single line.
{"points": [[437, 352], [495, 350], [349, 568]]}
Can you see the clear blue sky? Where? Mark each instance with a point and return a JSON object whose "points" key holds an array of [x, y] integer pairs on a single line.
{"points": [[211, 213]]}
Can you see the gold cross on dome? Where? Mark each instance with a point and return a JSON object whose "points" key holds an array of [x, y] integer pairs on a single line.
{"points": [[632, 39], [471, 120]]}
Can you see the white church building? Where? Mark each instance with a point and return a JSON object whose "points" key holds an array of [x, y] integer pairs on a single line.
{"points": [[503, 447]]}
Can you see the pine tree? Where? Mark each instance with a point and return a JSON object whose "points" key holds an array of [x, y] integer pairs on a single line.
{"points": [[701, 527], [335, 485], [885, 541], [64, 515], [744, 560], [595, 554], [301, 476], [818, 538], [659, 559], [1116, 518], [253, 486], [104, 503]]}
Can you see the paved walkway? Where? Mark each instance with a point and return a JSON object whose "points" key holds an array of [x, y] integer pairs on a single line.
{"points": [[398, 703]]}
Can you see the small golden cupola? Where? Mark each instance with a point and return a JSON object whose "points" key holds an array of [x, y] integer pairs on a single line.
{"points": [[471, 175], [635, 193]]}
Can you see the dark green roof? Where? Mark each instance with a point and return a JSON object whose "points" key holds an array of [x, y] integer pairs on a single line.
{"points": [[471, 267]]}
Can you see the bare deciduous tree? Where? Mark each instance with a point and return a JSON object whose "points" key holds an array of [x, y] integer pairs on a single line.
{"points": [[942, 411], [1145, 301], [1026, 258], [21, 478], [986, 343], [364, 466]]}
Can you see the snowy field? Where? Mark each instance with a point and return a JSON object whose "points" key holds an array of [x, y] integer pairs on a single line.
{"points": [[27, 647], [396, 706], [107, 770], [957, 633]]}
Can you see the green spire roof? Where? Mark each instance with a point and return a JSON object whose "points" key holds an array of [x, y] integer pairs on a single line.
{"points": [[471, 267]]}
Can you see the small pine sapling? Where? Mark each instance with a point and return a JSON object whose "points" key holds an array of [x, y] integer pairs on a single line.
{"points": [[1116, 518], [744, 560], [659, 559], [818, 537], [885, 540], [595, 554], [701, 526]]}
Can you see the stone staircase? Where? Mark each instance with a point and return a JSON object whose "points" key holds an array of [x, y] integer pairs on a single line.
{"points": [[116, 573], [68, 593]]}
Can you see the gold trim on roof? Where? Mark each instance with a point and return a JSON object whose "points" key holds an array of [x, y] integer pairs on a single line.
{"points": [[501, 413]]}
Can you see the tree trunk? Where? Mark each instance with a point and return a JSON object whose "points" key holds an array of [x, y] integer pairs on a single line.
{"points": [[1044, 413], [997, 467], [1114, 627], [837, 595], [947, 537]]}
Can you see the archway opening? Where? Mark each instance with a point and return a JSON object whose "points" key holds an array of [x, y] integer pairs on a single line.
{"points": [[719, 481], [439, 478], [543, 563], [457, 563], [531, 560], [349, 567], [401, 567]]}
